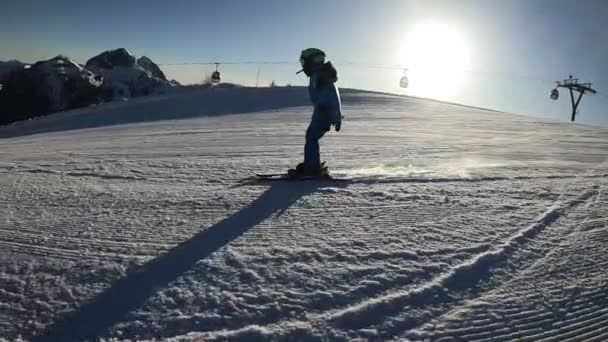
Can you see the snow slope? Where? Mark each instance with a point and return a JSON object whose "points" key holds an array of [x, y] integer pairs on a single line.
{"points": [[456, 224]]}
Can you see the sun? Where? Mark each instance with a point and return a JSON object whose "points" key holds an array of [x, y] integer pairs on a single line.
{"points": [[437, 56]]}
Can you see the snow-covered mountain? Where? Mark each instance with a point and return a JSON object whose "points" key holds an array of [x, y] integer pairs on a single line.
{"points": [[126, 77], [59, 83], [452, 224]]}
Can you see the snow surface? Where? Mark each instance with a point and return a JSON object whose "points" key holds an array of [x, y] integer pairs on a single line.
{"points": [[119, 223]]}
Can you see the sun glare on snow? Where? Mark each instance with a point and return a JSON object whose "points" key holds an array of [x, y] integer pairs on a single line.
{"points": [[437, 56]]}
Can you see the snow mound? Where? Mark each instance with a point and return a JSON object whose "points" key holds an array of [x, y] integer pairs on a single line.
{"points": [[182, 103], [187, 103]]}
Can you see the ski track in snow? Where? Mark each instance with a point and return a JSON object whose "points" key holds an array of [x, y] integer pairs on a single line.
{"points": [[455, 224]]}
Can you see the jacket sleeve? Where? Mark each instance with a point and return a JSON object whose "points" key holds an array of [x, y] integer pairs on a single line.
{"points": [[335, 104]]}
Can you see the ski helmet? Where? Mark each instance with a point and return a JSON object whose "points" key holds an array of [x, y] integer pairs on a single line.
{"points": [[310, 57]]}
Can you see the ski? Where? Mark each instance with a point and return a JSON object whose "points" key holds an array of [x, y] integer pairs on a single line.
{"points": [[270, 175], [291, 175], [289, 178]]}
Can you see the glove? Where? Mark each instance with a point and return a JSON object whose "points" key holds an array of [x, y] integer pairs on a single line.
{"points": [[338, 125]]}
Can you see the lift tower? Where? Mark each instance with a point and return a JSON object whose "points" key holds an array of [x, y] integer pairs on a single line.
{"points": [[573, 86]]}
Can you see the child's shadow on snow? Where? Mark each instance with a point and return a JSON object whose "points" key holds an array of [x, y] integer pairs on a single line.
{"points": [[111, 306]]}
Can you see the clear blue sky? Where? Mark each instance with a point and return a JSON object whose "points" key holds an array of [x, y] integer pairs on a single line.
{"points": [[513, 46]]}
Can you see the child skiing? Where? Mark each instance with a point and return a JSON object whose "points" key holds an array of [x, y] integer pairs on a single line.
{"points": [[327, 112]]}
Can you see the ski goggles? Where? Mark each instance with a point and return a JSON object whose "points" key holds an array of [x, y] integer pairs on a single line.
{"points": [[314, 59]]}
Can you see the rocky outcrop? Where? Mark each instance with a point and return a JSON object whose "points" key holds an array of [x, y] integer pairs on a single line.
{"points": [[147, 64], [67, 84], [45, 87], [7, 67], [112, 58], [126, 77]]}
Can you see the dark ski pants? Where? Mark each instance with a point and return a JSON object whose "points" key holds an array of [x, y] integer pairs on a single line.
{"points": [[319, 125]]}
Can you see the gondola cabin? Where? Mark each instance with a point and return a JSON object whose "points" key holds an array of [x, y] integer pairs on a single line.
{"points": [[216, 77]]}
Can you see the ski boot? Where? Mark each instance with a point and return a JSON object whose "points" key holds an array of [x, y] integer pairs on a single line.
{"points": [[302, 171]]}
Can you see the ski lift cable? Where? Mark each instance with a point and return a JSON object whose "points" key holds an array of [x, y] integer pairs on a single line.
{"points": [[502, 74], [222, 63], [603, 97], [497, 74], [602, 94]]}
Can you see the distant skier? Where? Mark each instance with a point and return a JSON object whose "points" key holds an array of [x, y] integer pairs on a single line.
{"points": [[327, 112]]}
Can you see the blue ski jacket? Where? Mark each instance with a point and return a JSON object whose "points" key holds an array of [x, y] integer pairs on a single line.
{"points": [[325, 97]]}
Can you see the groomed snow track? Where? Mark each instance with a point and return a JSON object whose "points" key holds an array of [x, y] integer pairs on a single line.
{"points": [[457, 224]]}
